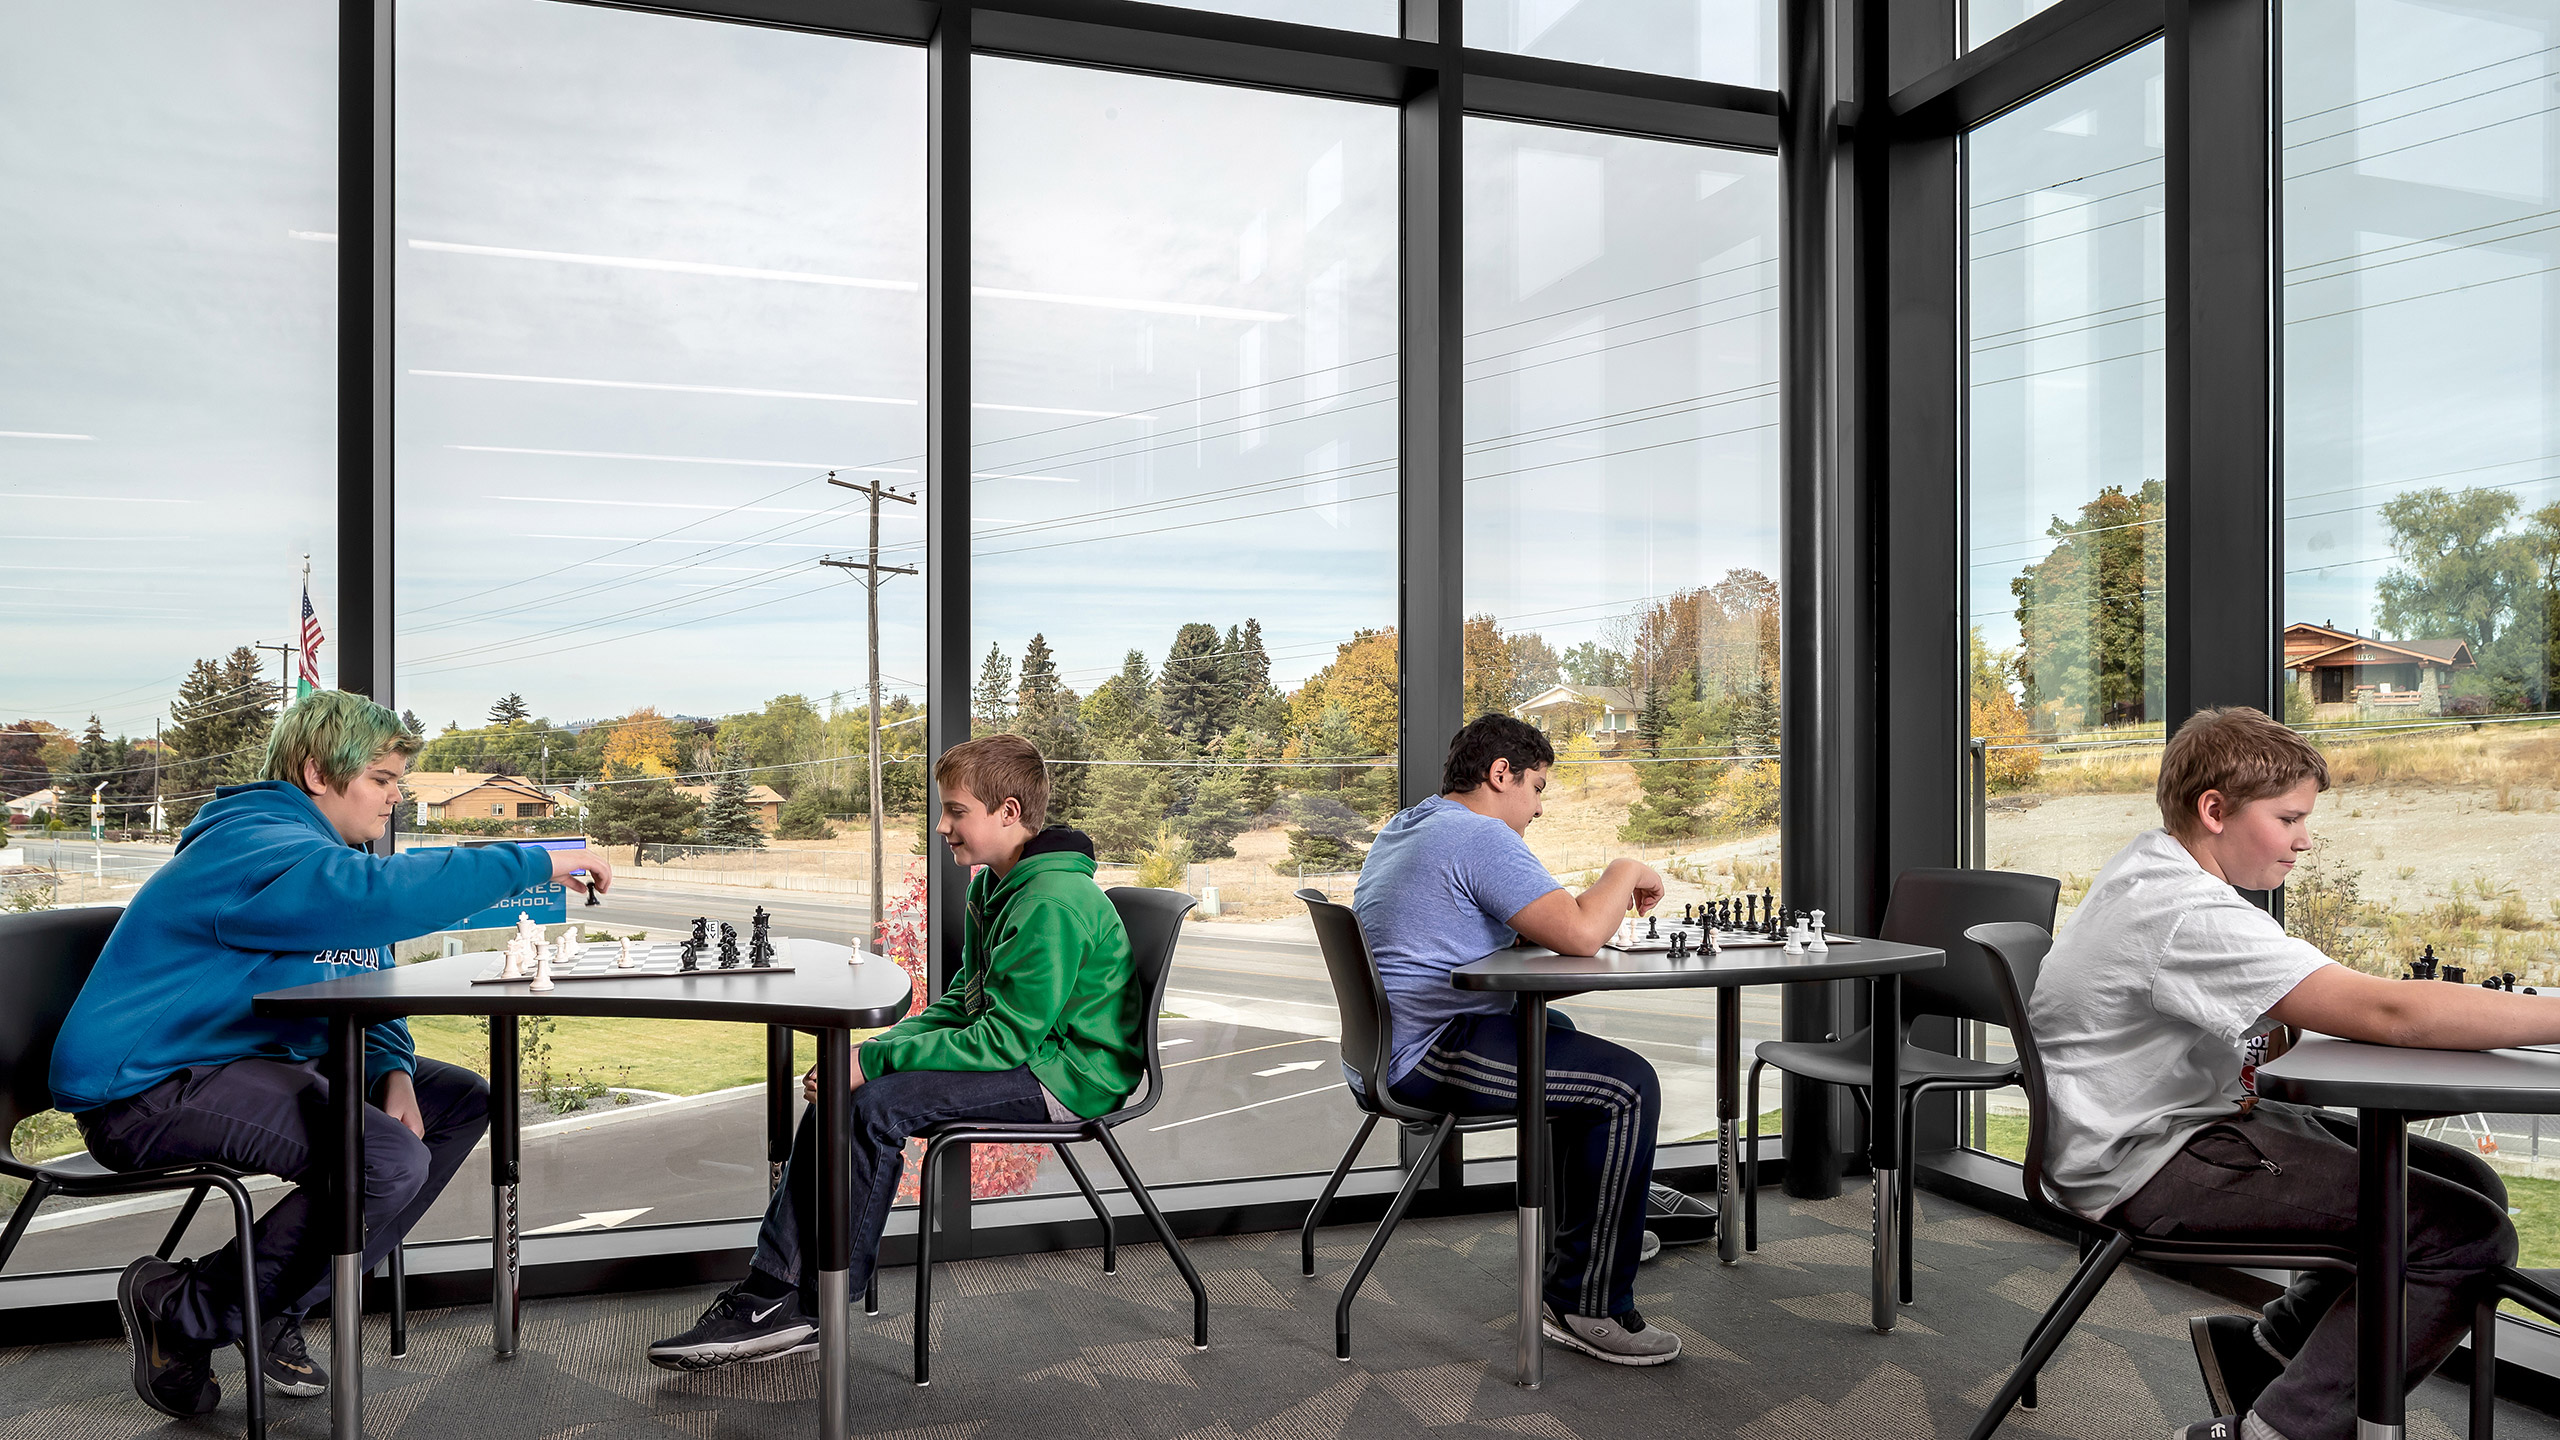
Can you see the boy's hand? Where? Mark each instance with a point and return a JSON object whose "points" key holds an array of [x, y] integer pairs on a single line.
{"points": [[599, 872], [809, 1082], [400, 1102]]}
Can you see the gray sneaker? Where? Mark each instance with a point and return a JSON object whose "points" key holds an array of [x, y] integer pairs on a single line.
{"points": [[1651, 1247], [1620, 1340]]}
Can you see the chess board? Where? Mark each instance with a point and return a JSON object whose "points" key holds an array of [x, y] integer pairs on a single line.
{"points": [[1725, 939], [650, 960]]}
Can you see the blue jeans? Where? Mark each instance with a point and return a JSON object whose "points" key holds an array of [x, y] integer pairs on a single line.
{"points": [[1603, 1101], [261, 1115], [885, 1112]]}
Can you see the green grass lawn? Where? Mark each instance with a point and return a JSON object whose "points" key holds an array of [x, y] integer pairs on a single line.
{"points": [[674, 1057]]}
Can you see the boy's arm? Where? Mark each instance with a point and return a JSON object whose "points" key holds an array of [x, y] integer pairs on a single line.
{"points": [[1571, 924], [337, 897], [2421, 1014], [387, 1047], [1031, 967]]}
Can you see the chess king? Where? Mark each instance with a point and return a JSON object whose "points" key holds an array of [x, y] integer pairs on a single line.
{"points": [[162, 1060]]}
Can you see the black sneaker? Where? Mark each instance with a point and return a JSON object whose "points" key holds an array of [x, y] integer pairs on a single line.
{"points": [[1678, 1217], [2236, 1367], [738, 1327], [2220, 1427], [290, 1370], [172, 1374]]}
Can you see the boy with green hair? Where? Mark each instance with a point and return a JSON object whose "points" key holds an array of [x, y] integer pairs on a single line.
{"points": [[162, 1060], [1041, 1024]]}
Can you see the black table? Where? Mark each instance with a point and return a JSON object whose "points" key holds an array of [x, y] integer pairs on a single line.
{"points": [[823, 994], [1540, 975], [2387, 1086]]}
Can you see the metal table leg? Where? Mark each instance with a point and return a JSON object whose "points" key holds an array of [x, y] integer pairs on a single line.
{"points": [[777, 1103], [1532, 1169], [2382, 1274], [506, 1294], [835, 1233], [1728, 1081], [1884, 1145], [345, 1212]]}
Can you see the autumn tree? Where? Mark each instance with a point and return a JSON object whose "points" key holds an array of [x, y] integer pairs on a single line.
{"points": [[2093, 645], [1999, 721], [1488, 682], [640, 743]]}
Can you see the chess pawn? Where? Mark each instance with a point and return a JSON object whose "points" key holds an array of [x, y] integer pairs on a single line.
{"points": [[857, 957], [542, 973], [623, 961], [1815, 940]]}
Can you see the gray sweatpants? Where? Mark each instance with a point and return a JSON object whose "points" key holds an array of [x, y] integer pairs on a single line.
{"points": [[2285, 1172]]}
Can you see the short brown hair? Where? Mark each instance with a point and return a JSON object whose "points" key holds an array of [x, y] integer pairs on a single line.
{"points": [[997, 768], [2244, 753]]}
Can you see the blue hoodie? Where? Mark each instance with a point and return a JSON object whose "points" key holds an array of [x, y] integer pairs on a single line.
{"points": [[261, 895]]}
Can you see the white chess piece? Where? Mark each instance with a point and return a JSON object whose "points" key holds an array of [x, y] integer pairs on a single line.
{"points": [[624, 960], [1815, 940], [858, 956], [514, 967], [542, 972], [1795, 938]]}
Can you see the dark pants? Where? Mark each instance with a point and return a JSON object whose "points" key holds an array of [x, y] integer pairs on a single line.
{"points": [[1603, 1101], [262, 1115], [2286, 1172], [885, 1112]]}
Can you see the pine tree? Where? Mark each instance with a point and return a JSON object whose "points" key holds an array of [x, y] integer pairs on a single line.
{"points": [[730, 817], [995, 695], [509, 710], [196, 741], [1039, 692], [409, 722], [651, 812], [1196, 693], [111, 767]]}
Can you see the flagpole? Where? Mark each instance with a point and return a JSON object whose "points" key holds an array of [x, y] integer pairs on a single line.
{"points": [[302, 631]]}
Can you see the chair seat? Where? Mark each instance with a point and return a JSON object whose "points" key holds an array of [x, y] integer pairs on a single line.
{"points": [[1852, 1062], [2536, 1290], [2259, 1253], [77, 1173]]}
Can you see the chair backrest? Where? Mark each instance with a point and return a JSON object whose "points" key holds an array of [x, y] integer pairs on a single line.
{"points": [[1153, 919], [1360, 999], [1935, 908], [2016, 955], [45, 957]]}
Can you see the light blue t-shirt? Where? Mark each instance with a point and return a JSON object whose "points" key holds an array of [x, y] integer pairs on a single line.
{"points": [[1438, 891]]}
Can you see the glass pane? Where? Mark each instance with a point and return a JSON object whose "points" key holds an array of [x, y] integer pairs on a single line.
{"points": [[1377, 17], [1731, 41], [658, 279], [1987, 20], [2422, 508], [1622, 526], [168, 458], [2064, 503], [1184, 539]]}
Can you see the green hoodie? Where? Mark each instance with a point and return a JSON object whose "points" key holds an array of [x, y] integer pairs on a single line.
{"points": [[1045, 981]]}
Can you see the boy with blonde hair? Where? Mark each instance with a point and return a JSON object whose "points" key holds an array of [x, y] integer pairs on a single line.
{"points": [[163, 1062], [1041, 1024], [2140, 1013]]}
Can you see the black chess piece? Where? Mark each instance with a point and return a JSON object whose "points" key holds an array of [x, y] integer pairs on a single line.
{"points": [[2454, 973], [591, 896], [1653, 927], [728, 946], [1684, 915], [1769, 909], [1750, 912], [760, 943], [689, 957], [2424, 967], [1679, 943]]}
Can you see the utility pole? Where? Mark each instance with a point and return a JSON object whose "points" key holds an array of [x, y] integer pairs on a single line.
{"points": [[284, 673], [872, 574]]}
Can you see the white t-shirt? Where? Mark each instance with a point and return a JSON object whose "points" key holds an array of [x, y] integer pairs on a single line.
{"points": [[2139, 1014]]}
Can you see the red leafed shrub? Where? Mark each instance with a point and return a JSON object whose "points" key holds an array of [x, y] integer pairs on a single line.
{"points": [[994, 1170]]}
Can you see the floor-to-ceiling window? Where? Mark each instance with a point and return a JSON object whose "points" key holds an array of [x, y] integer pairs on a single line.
{"points": [[1622, 524], [2421, 585], [168, 313], [1734, 41], [2064, 508]]}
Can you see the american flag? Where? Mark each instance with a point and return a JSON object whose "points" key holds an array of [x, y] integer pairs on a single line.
{"points": [[311, 639]]}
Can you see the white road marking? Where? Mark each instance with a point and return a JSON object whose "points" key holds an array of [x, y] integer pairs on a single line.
{"points": [[1285, 1069], [1256, 1105], [593, 1220]]}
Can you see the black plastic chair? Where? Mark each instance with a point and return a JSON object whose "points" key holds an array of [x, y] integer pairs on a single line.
{"points": [[1934, 908], [2536, 1290], [1361, 997], [2017, 952], [1154, 921]]}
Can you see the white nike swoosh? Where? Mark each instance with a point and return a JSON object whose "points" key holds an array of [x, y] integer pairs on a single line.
{"points": [[758, 1317]]}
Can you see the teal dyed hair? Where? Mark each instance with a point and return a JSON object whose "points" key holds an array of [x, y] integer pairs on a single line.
{"points": [[341, 732]]}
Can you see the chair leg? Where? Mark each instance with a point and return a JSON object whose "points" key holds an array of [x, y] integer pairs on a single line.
{"points": [[186, 1217], [1750, 1164], [399, 1302], [1110, 1237], [1386, 1228], [1324, 1201], [2057, 1322], [871, 1289], [926, 1192], [37, 1191], [1909, 1210], [1164, 1232], [2484, 1367], [253, 1346]]}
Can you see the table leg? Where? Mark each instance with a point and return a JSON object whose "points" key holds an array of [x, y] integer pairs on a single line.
{"points": [[345, 1068], [1728, 1127], [506, 1294], [1532, 1167], [2382, 1274], [778, 1090], [835, 1233], [1884, 1145]]}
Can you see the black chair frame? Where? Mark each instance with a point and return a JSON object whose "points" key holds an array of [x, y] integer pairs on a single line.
{"points": [[1154, 921], [2018, 950], [1928, 907]]}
